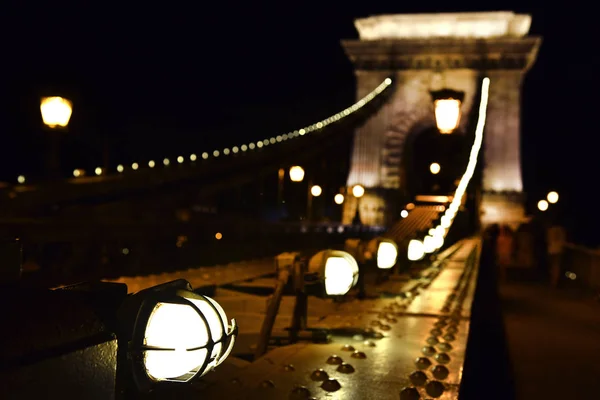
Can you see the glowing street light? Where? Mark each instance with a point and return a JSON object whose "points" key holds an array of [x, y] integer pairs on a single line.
{"points": [[296, 173], [404, 213], [21, 179], [358, 191], [435, 168], [339, 198], [172, 334], [386, 252], [542, 205], [552, 197], [447, 105], [56, 111], [316, 190]]}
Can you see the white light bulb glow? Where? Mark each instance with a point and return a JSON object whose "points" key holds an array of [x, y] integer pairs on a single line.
{"points": [[56, 111], [387, 253], [183, 337], [416, 251]]}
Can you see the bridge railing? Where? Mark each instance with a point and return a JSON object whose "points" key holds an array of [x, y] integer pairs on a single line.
{"points": [[581, 266]]}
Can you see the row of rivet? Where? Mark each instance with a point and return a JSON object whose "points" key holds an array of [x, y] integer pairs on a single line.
{"points": [[445, 328]]}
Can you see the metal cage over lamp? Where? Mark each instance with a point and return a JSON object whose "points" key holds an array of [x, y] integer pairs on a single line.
{"points": [[176, 335], [337, 270], [447, 103]]}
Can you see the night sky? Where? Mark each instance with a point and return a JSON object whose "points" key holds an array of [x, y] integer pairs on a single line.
{"points": [[160, 79]]}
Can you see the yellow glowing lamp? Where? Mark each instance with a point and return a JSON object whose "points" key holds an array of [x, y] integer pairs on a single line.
{"points": [[296, 173], [175, 334], [56, 111], [416, 250], [552, 197], [447, 103], [385, 250], [316, 190], [336, 269], [358, 191], [339, 198]]}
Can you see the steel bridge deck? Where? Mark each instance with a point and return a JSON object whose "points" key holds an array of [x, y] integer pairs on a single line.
{"points": [[424, 328]]}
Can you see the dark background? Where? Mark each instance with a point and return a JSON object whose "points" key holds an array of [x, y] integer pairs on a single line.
{"points": [[163, 79]]}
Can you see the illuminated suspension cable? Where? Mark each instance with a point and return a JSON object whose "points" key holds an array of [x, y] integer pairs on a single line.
{"points": [[280, 138], [448, 217]]}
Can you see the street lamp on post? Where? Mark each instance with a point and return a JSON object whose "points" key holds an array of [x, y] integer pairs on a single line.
{"points": [[56, 112], [358, 192], [447, 103]]}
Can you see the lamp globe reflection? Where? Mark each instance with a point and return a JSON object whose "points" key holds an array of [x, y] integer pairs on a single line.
{"points": [[296, 173], [336, 269], [447, 103], [175, 334], [56, 111]]}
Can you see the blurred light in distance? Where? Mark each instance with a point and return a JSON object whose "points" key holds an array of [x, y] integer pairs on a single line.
{"points": [[404, 213], [358, 191], [339, 198], [56, 111], [416, 250], [296, 173], [435, 168], [552, 197], [542, 205], [387, 253], [316, 190]]}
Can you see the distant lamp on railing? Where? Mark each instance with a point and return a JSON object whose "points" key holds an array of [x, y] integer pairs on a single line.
{"points": [[435, 168], [339, 198], [296, 173], [172, 334], [56, 111], [385, 252], [552, 197], [447, 103], [336, 270], [542, 205], [358, 191], [416, 250]]}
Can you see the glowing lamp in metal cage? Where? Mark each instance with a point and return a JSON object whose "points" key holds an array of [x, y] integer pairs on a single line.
{"points": [[337, 270], [385, 251], [177, 335], [447, 103]]}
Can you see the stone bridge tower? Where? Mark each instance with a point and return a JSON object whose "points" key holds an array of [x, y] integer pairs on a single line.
{"points": [[423, 52]]}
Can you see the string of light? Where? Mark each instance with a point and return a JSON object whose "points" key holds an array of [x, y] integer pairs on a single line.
{"points": [[317, 126], [435, 238]]}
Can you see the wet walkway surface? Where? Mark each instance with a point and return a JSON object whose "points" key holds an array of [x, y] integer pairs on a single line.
{"points": [[553, 341]]}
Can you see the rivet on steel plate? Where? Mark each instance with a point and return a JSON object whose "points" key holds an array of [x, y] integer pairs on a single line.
{"points": [[418, 378], [409, 393], [443, 346], [359, 354], [345, 368], [440, 372], [331, 385], [334, 360], [267, 384], [289, 368], [442, 358], [435, 388], [319, 375], [300, 393], [428, 350], [432, 340], [347, 347], [423, 363], [369, 343]]}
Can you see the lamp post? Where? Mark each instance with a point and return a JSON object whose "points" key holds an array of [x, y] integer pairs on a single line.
{"points": [[447, 103], [313, 191], [56, 113], [358, 192]]}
